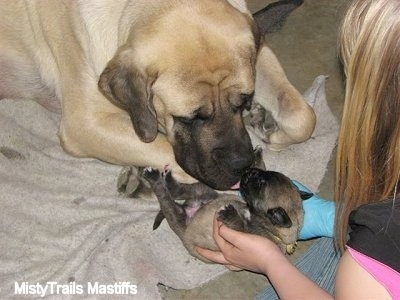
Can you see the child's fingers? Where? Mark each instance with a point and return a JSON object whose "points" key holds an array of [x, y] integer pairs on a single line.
{"points": [[215, 256]]}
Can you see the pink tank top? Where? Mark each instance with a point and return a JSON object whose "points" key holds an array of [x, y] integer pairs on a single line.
{"points": [[385, 275]]}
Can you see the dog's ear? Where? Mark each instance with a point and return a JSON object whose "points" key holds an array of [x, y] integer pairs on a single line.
{"points": [[279, 217], [127, 88]]}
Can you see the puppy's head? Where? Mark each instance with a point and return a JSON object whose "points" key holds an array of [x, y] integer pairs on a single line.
{"points": [[273, 195], [188, 72]]}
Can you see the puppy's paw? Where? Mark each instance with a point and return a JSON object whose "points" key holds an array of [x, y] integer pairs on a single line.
{"points": [[257, 115], [166, 173], [227, 212], [263, 123], [170, 181], [152, 175], [230, 217], [128, 181], [291, 248]]}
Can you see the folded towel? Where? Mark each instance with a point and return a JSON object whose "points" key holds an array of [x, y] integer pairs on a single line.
{"points": [[62, 219]]}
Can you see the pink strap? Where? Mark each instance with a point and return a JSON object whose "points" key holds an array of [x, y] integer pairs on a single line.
{"points": [[385, 275]]}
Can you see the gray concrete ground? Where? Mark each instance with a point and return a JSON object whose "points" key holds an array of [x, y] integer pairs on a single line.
{"points": [[306, 48]]}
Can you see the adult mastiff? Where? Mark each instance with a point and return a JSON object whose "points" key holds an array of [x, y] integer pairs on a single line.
{"points": [[180, 71]]}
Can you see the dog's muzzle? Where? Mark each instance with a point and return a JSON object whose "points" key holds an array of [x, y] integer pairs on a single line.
{"points": [[235, 164]]}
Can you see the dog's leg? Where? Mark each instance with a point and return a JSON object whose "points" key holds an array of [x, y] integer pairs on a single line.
{"points": [[294, 117], [173, 212], [101, 130]]}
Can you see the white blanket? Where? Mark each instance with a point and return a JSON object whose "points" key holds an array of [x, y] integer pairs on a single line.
{"points": [[62, 220]]}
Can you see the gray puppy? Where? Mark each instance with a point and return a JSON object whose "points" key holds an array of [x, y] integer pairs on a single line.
{"points": [[271, 208]]}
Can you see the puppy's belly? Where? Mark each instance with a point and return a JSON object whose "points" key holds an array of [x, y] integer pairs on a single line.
{"points": [[199, 231]]}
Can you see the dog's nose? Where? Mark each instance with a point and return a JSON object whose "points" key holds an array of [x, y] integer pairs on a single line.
{"points": [[236, 163], [239, 164]]}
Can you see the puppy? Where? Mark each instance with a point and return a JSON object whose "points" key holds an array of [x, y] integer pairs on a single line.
{"points": [[271, 208]]}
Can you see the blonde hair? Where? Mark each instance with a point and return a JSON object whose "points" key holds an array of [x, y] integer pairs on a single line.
{"points": [[368, 156]]}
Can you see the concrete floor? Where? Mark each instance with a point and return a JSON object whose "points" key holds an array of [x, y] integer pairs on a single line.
{"points": [[306, 48]]}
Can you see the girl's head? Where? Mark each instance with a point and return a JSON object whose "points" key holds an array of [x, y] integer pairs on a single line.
{"points": [[368, 158]]}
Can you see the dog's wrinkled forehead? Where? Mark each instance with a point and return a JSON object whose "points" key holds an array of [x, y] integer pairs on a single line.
{"points": [[210, 48], [198, 90]]}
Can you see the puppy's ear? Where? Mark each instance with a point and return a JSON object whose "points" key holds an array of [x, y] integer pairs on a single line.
{"points": [[123, 85], [305, 195], [279, 217]]}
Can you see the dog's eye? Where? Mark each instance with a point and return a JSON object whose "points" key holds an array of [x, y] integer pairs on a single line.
{"points": [[197, 117], [191, 120], [184, 120]]}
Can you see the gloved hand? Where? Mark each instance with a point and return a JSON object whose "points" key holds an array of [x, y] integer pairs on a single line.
{"points": [[319, 216]]}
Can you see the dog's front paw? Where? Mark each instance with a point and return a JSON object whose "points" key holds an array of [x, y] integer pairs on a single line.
{"points": [[152, 175]]}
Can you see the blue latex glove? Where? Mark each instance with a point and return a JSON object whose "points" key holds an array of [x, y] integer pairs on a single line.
{"points": [[319, 216]]}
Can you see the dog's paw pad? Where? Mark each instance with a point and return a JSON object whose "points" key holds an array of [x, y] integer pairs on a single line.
{"points": [[151, 174], [128, 181]]}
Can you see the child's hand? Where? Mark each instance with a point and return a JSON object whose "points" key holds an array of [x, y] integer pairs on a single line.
{"points": [[240, 250]]}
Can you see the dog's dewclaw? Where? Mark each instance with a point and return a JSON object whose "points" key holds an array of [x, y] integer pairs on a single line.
{"points": [[291, 248]]}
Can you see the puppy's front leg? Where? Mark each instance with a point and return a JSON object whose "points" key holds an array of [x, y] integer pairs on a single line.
{"points": [[196, 191], [294, 117], [173, 212], [195, 195]]}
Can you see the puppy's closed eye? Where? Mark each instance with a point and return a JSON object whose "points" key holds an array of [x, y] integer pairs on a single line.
{"points": [[279, 217]]}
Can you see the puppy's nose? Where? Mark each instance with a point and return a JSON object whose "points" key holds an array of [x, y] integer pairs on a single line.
{"points": [[251, 174]]}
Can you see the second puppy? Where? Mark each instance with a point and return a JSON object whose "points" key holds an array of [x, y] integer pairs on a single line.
{"points": [[271, 208]]}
